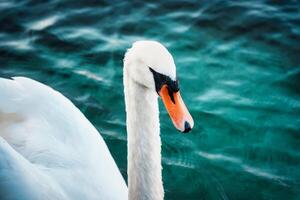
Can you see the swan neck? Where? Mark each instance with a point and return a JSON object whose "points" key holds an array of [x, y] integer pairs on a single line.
{"points": [[144, 144]]}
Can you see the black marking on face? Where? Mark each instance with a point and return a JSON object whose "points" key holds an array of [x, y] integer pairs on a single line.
{"points": [[171, 94], [161, 79]]}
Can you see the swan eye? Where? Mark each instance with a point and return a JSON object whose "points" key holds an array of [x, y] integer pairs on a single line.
{"points": [[161, 79], [173, 85]]}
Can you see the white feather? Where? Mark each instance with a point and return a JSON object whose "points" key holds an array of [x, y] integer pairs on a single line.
{"points": [[49, 150]]}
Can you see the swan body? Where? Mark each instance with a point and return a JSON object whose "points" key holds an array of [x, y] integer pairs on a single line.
{"points": [[49, 150]]}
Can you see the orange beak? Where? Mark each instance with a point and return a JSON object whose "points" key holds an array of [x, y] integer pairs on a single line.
{"points": [[177, 110]]}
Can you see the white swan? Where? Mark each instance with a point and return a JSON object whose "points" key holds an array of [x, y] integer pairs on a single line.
{"points": [[49, 150]]}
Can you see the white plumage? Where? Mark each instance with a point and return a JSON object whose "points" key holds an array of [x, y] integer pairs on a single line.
{"points": [[49, 150]]}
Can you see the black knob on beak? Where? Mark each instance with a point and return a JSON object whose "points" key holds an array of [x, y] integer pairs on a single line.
{"points": [[187, 127]]}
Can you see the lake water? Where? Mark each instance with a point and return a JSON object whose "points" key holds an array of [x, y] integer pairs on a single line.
{"points": [[238, 63]]}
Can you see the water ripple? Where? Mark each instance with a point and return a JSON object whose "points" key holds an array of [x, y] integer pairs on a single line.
{"points": [[89, 75], [43, 23], [238, 162]]}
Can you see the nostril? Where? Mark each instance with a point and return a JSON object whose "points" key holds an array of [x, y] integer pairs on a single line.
{"points": [[187, 127]]}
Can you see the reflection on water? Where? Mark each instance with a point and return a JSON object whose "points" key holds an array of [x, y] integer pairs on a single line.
{"points": [[238, 65]]}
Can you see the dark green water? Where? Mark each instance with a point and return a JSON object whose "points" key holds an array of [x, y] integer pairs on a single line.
{"points": [[239, 68]]}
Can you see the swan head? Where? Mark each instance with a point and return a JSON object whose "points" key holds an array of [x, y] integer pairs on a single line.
{"points": [[151, 65]]}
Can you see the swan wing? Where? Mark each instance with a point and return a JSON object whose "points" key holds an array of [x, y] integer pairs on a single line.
{"points": [[19, 179], [46, 142]]}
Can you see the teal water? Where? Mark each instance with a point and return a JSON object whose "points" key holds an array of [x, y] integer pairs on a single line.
{"points": [[238, 63]]}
